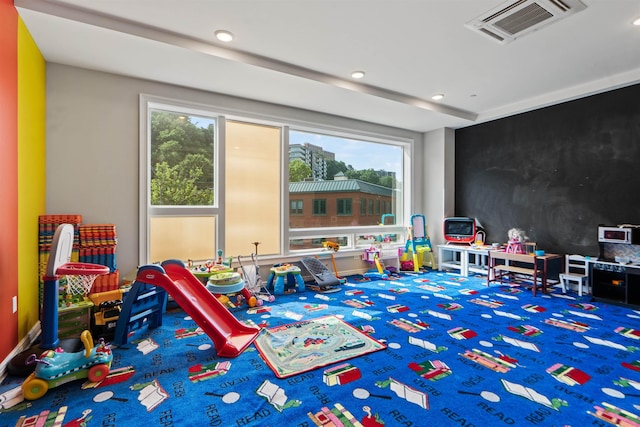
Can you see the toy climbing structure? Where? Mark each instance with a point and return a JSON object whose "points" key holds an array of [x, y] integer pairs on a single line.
{"points": [[418, 244], [230, 336]]}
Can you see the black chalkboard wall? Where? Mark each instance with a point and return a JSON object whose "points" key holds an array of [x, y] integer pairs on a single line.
{"points": [[556, 172]]}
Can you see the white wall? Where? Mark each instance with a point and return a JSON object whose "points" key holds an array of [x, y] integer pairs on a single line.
{"points": [[438, 164], [93, 139]]}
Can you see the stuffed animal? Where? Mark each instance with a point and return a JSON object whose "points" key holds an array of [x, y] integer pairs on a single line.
{"points": [[517, 237]]}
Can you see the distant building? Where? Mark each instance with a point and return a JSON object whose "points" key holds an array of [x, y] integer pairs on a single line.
{"points": [[338, 202], [314, 156]]}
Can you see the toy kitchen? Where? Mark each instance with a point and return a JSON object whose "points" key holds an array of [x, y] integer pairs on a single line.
{"points": [[615, 275]]}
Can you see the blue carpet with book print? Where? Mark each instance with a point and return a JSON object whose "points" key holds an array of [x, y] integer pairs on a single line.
{"points": [[437, 349]]}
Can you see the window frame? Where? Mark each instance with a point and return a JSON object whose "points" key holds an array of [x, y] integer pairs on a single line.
{"points": [[319, 203], [351, 236], [146, 209], [347, 208], [297, 210]]}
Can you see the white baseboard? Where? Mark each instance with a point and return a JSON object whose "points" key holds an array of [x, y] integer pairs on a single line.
{"points": [[24, 344]]}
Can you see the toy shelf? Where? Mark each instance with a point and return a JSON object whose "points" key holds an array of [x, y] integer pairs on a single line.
{"points": [[463, 259]]}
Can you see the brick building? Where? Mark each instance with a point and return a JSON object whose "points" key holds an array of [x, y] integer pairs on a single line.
{"points": [[339, 202]]}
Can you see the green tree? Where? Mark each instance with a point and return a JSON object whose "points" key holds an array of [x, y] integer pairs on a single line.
{"points": [[367, 175], [334, 167], [388, 181], [182, 171], [298, 170], [177, 186]]}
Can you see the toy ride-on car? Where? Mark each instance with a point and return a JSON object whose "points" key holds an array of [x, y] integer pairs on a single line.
{"points": [[57, 367]]}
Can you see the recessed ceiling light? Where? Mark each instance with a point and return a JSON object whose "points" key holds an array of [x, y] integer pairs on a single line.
{"points": [[357, 74], [437, 97], [637, 22], [224, 35]]}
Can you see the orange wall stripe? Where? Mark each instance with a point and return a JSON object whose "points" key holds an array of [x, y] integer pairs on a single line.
{"points": [[8, 175]]}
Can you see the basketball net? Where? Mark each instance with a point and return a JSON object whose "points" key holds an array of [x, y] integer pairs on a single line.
{"points": [[80, 284]]}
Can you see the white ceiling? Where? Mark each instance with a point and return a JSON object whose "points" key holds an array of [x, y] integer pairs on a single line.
{"points": [[300, 53]]}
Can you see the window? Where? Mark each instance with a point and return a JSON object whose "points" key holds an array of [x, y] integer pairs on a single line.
{"points": [[180, 191], [252, 165], [319, 207], [344, 207], [333, 170], [211, 182], [295, 207], [199, 190], [182, 147]]}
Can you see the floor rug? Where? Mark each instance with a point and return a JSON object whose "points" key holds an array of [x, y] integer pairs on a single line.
{"points": [[299, 347], [458, 353]]}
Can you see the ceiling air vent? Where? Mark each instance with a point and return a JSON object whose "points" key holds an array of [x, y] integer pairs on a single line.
{"points": [[516, 18]]}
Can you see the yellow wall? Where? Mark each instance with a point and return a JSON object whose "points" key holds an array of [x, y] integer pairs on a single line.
{"points": [[31, 173]]}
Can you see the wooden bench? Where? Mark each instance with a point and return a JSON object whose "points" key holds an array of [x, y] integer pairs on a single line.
{"points": [[502, 264]]}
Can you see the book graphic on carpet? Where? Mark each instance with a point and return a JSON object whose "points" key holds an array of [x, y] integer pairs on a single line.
{"points": [[572, 325], [626, 382], [406, 392], [518, 343], [531, 394], [501, 364], [461, 333], [427, 345], [431, 370], [507, 315], [341, 374], [276, 396], [303, 346], [628, 332], [568, 374], [150, 394], [336, 416], [438, 315], [609, 343], [409, 326], [583, 314], [615, 415], [201, 372], [526, 330]]}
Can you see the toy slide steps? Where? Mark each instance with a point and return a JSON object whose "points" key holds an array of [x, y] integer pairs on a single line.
{"points": [[230, 336]]}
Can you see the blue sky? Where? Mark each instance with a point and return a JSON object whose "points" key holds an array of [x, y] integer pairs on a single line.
{"points": [[359, 154]]}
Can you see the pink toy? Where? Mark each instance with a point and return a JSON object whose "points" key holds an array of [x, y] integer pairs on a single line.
{"points": [[517, 238]]}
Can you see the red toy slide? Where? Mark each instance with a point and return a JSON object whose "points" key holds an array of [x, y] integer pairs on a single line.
{"points": [[230, 336]]}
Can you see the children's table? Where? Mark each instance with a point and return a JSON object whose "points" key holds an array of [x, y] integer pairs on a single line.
{"points": [[285, 276]]}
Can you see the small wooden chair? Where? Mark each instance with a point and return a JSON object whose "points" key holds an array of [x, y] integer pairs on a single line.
{"points": [[576, 270]]}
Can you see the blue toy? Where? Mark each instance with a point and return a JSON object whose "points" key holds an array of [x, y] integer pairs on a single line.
{"points": [[285, 277], [57, 367]]}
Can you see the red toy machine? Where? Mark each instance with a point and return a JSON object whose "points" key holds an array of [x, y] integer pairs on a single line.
{"points": [[461, 229]]}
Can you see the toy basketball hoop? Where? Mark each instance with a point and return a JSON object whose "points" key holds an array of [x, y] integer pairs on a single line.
{"points": [[81, 275]]}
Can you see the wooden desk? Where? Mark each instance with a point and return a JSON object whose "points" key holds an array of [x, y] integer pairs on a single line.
{"points": [[528, 264]]}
